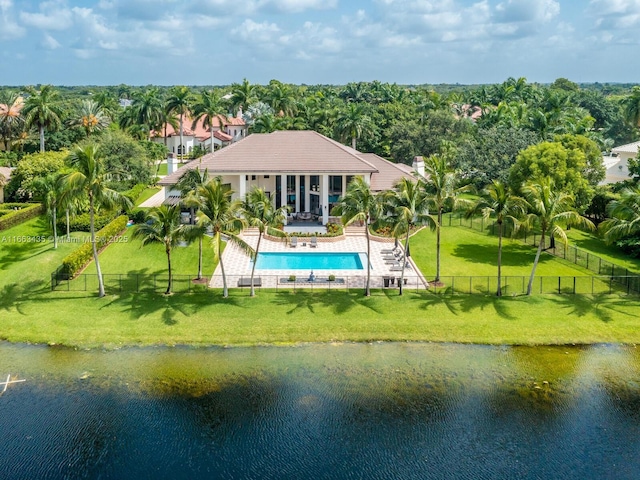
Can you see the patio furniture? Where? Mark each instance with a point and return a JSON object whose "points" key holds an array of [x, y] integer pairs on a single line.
{"points": [[314, 242], [294, 242], [246, 282]]}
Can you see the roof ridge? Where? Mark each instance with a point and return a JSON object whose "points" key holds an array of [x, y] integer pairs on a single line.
{"points": [[346, 149]]}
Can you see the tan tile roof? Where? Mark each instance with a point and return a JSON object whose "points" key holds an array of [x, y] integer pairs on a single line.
{"points": [[628, 148], [388, 173], [293, 152]]}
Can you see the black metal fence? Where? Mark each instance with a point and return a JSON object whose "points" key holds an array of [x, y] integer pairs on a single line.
{"points": [[380, 285], [571, 253]]}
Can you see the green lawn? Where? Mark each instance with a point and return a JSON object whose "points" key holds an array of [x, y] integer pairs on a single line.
{"points": [[147, 194], [596, 246], [31, 313]]}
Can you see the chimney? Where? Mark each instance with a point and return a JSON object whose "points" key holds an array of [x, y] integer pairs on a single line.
{"points": [[418, 165], [239, 115], [172, 163]]}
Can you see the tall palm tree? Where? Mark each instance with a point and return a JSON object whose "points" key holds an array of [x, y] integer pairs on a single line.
{"points": [[259, 211], [211, 110], [441, 192], [10, 116], [359, 204], [407, 209], [497, 201], [89, 180], [162, 226], [180, 101], [145, 112], [548, 211], [241, 95], [353, 122], [281, 98], [624, 216], [50, 190], [42, 110], [90, 117], [188, 184], [220, 216]]}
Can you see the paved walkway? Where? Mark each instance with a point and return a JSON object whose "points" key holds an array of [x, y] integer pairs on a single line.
{"points": [[237, 264], [155, 200]]}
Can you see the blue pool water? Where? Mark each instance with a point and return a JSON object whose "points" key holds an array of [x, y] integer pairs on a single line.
{"points": [[309, 261]]}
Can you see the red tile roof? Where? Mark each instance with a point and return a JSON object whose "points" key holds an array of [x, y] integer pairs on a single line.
{"points": [[199, 131]]}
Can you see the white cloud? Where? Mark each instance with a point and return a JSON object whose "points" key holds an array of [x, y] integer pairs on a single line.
{"points": [[296, 6], [9, 29], [53, 15], [50, 43], [527, 10], [257, 33]]}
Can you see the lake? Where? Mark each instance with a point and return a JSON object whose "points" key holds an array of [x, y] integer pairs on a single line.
{"points": [[343, 411]]}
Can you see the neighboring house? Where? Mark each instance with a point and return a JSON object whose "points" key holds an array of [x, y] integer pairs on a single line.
{"points": [[234, 129], [304, 170], [616, 164], [5, 176]]}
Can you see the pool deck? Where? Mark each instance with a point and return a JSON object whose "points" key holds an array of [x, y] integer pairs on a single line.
{"points": [[237, 264]]}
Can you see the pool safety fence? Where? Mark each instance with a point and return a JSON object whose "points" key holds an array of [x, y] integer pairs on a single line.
{"points": [[380, 285], [571, 253]]}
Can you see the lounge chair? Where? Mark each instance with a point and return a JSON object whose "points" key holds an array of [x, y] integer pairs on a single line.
{"points": [[294, 242], [388, 251], [314, 242], [246, 282]]}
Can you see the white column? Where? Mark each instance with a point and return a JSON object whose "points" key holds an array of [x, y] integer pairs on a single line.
{"points": [[283, 190], [344, 185], [242, 190], [307, 195], [324, 198], [367, 178], [297, 190]]}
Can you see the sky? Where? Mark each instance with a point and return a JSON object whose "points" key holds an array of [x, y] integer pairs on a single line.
{"points": [[218, 42]]}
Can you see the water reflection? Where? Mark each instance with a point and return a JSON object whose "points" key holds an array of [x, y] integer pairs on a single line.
{"points": [[322, 411]]}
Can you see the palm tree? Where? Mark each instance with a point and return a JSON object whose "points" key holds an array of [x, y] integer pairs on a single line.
{"points": [[188, 184], [42, 110], [497, 201], [624, 216], [359, 204], [407, 209], [441, 192], [281, 98], [180, 101], [259, 211], [90, 117], [162, 226], [10, 116], [241, 95], [89, 180], [353, 122], [50, 190], [146, 111], [631, 106], [220, 216], [211, 111], [548, 210]]}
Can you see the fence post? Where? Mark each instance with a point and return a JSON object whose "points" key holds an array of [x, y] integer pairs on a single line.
{"points": [[574, 285], [540, 285], [610, 285], [453, 285], [588, 260], [559, 290], [470, 283], [120, 283], [600, 266]]}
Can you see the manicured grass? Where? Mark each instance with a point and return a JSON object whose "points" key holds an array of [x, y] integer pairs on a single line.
{"points": [[147, 194], [162, 169], [467, 252], [286, 318], [31, 313], [596, 246]]}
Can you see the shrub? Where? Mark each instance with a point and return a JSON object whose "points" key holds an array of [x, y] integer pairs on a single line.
{"points": [[16, 217], [79, 258], [82, 222], [14, 206], [138, 215], [332, 278], [135, 192], [292, 278]]}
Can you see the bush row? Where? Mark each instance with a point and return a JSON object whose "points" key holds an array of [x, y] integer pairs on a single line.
{"points": [[135, 192], [14, 206], [82, 222], [76, 260], [16, 217]]}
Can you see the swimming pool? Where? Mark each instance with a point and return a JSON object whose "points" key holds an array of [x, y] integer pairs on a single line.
{"points": [[310, 261]]}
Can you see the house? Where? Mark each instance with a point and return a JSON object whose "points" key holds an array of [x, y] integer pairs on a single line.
{"points": [[616, 164], [5, 176], [233, 130], [303, 170]]}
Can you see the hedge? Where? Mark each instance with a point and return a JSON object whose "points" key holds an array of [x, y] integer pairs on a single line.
{"points": [[16, 217], [82, 222], [135, 192], [14, 206], [79, 258]]}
